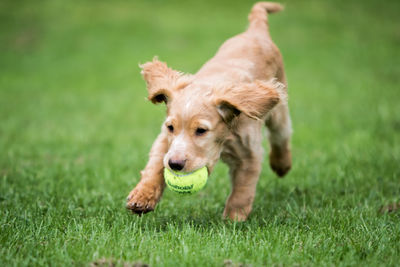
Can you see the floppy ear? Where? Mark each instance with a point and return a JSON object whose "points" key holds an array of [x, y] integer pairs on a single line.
{"points": [[161, 80], [254, 100]]}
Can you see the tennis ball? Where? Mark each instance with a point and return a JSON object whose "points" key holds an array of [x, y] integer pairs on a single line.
{"points": [[186, 182]]}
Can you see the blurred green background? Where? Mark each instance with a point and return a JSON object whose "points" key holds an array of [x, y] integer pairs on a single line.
{"points": [[75, 130]]}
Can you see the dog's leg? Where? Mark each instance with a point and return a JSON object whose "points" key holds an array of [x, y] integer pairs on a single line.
{"points": [[144, 197], [244, 175], [280, 130]]}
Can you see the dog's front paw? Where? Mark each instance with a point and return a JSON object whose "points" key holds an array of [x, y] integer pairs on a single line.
{"points": [[144, 198], [236, 214], [280, 161], [237, 208]]}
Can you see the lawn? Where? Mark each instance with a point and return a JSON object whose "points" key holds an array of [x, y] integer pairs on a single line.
{"points": [[75, 130]]}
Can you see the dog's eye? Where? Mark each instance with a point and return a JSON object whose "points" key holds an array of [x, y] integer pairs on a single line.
{"points": [[170, 128], [200, 131]]}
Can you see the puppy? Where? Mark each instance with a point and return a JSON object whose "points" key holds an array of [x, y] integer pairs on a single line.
{"points": [[218, 113]]}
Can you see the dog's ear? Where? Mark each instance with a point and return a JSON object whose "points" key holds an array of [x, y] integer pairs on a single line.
{"points": [[161, 80], [254, 100]]}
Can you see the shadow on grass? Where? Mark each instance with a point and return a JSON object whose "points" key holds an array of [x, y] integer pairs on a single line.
{"points": [[281, 206]]}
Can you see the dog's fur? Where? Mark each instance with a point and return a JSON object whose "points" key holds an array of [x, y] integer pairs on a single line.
{"points": [[219, 112]]}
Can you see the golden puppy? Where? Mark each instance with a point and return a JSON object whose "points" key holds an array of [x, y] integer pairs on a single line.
{"points": [[219, 112]]}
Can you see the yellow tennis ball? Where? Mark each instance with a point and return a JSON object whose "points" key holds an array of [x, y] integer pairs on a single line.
{"points": [[186, 183]]}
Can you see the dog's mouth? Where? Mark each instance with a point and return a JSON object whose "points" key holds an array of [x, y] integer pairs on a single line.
{"points": [[182, 173], [185, 172]]}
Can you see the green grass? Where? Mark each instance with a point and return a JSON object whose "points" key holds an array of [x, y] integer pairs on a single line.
{"points": [[75, 131]]}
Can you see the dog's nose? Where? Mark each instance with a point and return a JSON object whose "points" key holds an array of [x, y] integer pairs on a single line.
{"points": [[176, 165]]}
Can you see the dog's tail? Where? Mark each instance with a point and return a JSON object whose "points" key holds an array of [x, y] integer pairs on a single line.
{"points": [[258, 15]]}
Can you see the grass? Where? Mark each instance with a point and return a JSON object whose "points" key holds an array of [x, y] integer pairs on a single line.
{"points": [[75, 131]]}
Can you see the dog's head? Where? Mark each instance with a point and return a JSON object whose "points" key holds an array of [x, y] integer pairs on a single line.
{"points": [[201, 117]]}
